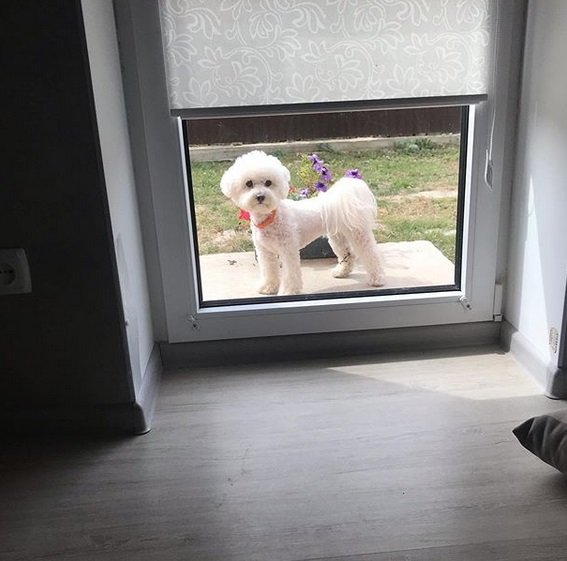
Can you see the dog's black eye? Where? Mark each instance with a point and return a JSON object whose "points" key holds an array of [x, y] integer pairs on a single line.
{"points": [[267, 183], [249, 183]]}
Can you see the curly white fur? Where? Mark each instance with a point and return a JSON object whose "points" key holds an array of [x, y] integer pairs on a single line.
{"points": [[259, 184]]}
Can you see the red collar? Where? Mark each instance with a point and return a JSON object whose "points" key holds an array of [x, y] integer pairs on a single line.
{"points": [[266, 222]]}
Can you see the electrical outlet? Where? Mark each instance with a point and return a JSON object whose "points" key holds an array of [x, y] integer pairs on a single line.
{"points": [[14, 272]]}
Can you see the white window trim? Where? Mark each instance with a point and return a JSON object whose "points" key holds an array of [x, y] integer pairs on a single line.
{"points": [[159, 160]]}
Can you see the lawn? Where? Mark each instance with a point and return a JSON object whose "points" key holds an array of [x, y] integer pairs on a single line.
{"points": [[414, 183]]}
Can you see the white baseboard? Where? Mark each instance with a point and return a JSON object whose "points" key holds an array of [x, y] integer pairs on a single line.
{"points": [[146, 400], [547, 375]]}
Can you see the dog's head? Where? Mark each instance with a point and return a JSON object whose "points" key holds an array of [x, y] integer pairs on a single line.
{"points": [[256, 182]]}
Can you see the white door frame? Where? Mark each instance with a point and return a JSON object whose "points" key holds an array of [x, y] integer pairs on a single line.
{"points": [[161, 176]]}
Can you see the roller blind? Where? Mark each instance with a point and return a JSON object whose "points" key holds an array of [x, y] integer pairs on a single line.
{"points": [[242, 53]]}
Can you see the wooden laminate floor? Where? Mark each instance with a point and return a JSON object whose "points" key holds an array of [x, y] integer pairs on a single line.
{"points": [[405, 458]]}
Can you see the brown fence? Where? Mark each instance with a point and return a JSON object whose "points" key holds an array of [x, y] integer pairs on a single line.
{"points": [[385, 123]]}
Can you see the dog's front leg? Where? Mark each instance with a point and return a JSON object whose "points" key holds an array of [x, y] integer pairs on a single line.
{"points": [[291, 272], [269, 271]]}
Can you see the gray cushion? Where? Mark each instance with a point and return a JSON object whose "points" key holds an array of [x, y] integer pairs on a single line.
{"points": [[546, 437]]}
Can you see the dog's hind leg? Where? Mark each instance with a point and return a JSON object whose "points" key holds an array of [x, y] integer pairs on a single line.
{"points": [[345, 258], [369, 255]]}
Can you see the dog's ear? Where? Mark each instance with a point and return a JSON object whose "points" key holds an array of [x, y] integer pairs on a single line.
{"points": [[227, 182], [286, 174]]}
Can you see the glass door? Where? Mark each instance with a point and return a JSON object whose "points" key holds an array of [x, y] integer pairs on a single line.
{"points": [[441, 197], [413, 162]]}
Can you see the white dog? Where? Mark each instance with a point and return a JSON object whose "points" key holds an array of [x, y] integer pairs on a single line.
{"points": [[260, 184]]}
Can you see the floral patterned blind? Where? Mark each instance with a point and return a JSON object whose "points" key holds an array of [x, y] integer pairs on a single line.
{"points": [[223, 53]]}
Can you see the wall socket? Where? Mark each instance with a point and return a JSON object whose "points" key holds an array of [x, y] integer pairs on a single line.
{"points": [[14, 272]]}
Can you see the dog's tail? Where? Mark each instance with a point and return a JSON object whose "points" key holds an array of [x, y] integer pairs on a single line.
{"points": [[348, 205]]}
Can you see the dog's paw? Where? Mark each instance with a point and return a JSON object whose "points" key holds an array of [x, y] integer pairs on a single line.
{"points": [[268, 288], [290, 290], [341, 271], [377, 280]]}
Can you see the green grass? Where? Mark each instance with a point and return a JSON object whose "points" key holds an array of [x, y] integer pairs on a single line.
{"points": [[396, 176], [419, 219]]}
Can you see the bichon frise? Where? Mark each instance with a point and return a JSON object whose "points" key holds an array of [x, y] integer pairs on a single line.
{"points": [[259, 184]]}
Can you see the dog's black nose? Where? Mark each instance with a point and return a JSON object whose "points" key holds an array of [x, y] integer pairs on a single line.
{"points": [[260, 198]]}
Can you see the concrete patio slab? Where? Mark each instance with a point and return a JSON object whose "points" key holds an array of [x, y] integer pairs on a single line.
{"points": [[407, 264]]}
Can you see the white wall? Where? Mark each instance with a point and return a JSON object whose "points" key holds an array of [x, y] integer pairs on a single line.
{"points": [[537, 264], [104, 61]]}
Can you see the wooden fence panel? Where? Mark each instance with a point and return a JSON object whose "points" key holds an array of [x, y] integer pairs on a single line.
{"points": [[382, 123]]}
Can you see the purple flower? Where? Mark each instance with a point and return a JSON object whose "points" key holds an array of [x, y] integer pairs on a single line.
{"points": [[325, 174], [325, 177], [315, 161], [353, 173]]}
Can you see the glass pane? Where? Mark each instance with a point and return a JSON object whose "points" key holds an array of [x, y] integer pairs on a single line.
{"points": [[411, 160]]}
